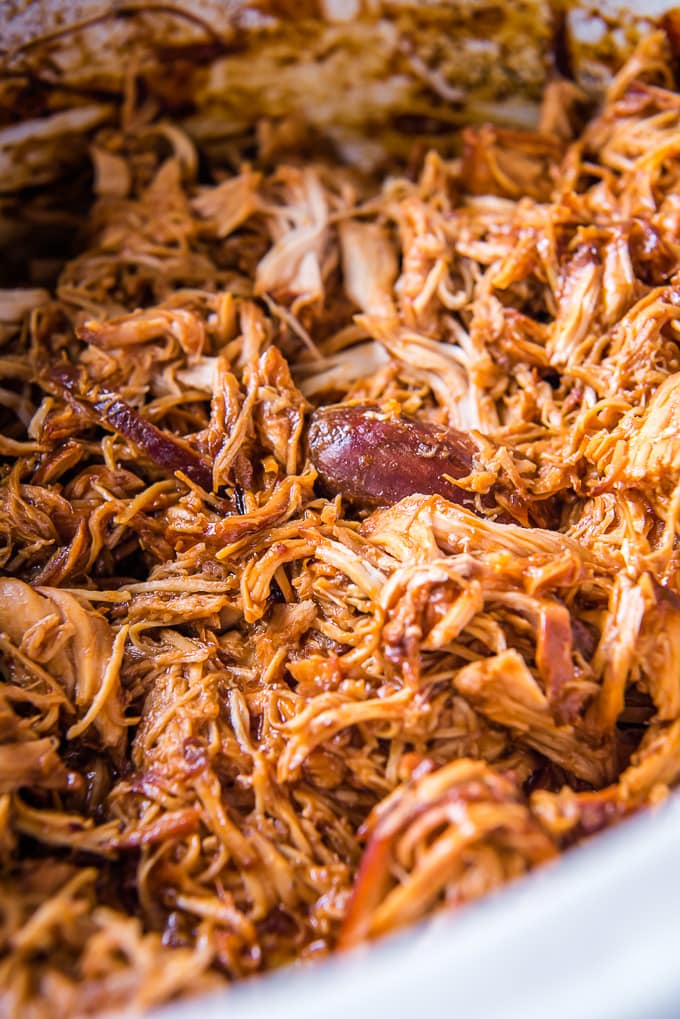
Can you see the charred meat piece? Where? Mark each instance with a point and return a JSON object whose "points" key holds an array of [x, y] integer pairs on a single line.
{"points": [[109, 410], [375, 459]]}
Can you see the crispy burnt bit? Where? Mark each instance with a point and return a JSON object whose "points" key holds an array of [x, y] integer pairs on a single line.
{"points": [[562, 55], [100, 404]]}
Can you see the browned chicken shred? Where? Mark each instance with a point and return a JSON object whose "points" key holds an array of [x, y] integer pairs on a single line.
{"points": [[339, 543]]}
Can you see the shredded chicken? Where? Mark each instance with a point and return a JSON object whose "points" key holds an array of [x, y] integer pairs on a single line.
{"points": [[339, 523]]}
